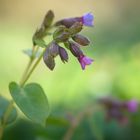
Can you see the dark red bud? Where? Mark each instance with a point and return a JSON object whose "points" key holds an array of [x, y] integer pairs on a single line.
{"points": [[75, 49], [53, 49], [49, 61], [51, 52], [68, 22], [82, 40], [63, 54]]}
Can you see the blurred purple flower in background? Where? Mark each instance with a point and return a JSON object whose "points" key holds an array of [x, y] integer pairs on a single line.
{"points": [[132, 105], [117, 109]]}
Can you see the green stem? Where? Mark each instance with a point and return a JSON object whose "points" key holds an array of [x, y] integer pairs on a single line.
{"points": [[32, 58], [32, 69], [76, 121], [25, 78], [95, 129], [1, 132], [26, 70], [28, 65]]}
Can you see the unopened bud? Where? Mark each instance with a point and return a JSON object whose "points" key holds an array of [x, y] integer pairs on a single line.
{"points": [[82, 40], [48, 19], [63, 54], [39, 32], [61, 34], [76, 28], [38, 35], [49, 61], [68, 22], [49, 55], [75, 49]]}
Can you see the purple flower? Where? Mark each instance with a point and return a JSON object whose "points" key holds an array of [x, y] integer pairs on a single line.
{"points": [[84, 60], [88, 19], [132, 105]]}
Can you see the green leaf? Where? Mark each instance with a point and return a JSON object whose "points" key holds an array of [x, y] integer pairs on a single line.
{"points": [[29, 53], [55, 120], [32, 101], [4, 103]]}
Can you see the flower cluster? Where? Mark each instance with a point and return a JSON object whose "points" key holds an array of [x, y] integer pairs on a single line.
{"points": [[116, 109], [66, 36]]}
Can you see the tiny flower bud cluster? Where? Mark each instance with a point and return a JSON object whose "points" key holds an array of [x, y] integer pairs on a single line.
{"points": [[116, 109], [41, 32], [66, 33]]}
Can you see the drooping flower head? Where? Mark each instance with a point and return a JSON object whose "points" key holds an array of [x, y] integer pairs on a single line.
{"points": [[132, 106], [88, 19], [84, 60], [66, 29]]}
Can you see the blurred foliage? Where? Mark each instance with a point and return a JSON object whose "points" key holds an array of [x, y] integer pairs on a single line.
{"points": [[92, 127], [116, 50]]}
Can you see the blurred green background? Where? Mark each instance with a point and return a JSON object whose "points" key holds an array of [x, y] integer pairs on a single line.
{"points": [[115, 47]]}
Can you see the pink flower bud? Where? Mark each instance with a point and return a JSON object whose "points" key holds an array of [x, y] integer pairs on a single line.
{"points": [[84, 60]]}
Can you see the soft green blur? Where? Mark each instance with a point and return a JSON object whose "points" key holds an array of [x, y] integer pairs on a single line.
{"points": [[115, 48]]}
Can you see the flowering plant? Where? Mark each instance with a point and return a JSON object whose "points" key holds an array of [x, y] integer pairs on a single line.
{"points": [[31, 98]]}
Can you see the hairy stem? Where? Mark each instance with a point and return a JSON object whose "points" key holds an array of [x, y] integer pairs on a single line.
{"points": [[32, 69], [32, 58], [26, 70]]}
